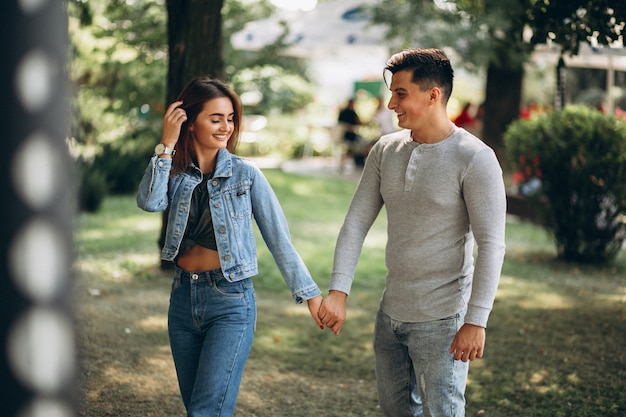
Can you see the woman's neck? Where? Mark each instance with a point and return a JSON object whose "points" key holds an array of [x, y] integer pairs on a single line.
{"points": [[206, 161]]}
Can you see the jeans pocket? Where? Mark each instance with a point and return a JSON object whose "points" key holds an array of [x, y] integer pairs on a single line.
{"points": [[226, 288]]}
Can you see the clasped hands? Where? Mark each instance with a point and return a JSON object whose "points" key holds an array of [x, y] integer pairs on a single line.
{"points": [[468, 343]]}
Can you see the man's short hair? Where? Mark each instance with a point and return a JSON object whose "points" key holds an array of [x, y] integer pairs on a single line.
{"points": [[431, 68]]}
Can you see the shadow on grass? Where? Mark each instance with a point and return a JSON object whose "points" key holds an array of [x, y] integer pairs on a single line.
{"points": [[555, 342]]}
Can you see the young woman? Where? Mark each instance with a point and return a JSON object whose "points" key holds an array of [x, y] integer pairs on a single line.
{"points": [[212, 196]]}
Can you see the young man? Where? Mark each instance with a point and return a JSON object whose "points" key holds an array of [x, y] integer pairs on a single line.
{"points": [[442, 188]]}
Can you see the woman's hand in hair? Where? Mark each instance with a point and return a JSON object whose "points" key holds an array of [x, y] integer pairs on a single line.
{"points": [[172, 122]]}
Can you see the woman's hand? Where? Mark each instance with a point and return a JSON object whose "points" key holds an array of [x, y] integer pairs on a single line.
{"points": [[172, 122], [314, 307]]}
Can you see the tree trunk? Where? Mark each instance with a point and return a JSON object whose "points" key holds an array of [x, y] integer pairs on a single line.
{"points": [[194, 37], [194, 32], [502, 100]]}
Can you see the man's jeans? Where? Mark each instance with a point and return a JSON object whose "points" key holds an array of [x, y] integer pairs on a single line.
{"points": [[415, 374], [211, 324]]}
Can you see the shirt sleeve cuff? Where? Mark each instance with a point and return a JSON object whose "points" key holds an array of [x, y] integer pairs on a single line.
{"points": [[477, 316], [340, 282]]}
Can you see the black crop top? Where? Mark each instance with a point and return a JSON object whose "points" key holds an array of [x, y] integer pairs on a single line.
{"points": [[199, 229]]}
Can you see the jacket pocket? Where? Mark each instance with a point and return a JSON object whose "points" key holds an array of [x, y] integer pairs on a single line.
{"points": [[238, 201]]}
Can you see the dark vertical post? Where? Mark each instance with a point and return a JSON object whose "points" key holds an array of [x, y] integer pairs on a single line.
{"points": [[37, 349], [561, 71]]}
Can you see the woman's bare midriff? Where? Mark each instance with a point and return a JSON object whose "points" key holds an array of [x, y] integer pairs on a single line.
{"points": [[198, 259]]}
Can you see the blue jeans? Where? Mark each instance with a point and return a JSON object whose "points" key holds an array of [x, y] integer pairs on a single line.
{"points": [[211, 324], [415, 374]]}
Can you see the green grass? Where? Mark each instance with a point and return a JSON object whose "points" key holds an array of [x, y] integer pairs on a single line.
{"points": [[555, 343]]}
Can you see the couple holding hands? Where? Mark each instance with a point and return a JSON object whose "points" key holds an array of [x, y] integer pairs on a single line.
{"points": [[442, 189]]}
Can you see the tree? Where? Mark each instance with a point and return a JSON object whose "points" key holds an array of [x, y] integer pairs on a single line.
{"points": [[117, 70], [500, 35], [194, 34]]}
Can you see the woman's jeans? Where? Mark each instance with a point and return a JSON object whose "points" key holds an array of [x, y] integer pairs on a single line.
{"points": [[211, 324], [415, 373]]}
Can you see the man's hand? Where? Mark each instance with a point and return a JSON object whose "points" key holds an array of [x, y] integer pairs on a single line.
{"points": [[469, 343], [332, 312]]}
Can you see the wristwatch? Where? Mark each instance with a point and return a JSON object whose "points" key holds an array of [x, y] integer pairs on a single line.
{"points": [[161, 149]]}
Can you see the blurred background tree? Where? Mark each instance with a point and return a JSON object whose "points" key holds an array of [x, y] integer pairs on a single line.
{"points": [[130, 58], [500, 35]]}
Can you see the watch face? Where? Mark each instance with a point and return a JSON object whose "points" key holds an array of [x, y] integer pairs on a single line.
{"points": [[159, 149]]}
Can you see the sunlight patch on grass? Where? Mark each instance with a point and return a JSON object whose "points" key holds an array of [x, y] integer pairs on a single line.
{"points": [[154, 323], [547, 300], [119, 269], [110, 232], [143, 386], [537, 296]]}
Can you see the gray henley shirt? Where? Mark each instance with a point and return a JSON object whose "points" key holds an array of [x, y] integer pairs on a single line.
{"points": [[439, 198]]}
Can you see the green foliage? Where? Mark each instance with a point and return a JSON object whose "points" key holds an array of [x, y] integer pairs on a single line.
{"points": [[123, 163], [118, 67], [270, 88], [502, 32], [93, 188], [580, 156], [119, 71]]}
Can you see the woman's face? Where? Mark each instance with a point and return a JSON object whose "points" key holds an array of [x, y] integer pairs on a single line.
{"points": [[214, 125]]}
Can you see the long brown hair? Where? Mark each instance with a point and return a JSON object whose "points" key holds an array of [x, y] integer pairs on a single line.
{"points": [[197, 92]]}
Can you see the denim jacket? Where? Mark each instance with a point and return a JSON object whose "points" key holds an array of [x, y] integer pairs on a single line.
{"points": [[237, 192]]}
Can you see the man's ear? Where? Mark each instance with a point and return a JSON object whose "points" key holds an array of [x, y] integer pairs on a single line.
{"points": [[435, 93]]}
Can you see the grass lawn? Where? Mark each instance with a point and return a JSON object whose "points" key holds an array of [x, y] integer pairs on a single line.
{"points": [[555, 343]]}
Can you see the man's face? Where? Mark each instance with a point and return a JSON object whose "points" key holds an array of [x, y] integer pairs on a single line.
{"points": [[411, 104]]}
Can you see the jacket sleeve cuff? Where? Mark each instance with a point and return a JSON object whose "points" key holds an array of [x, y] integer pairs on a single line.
{"points": [[306, 294]]}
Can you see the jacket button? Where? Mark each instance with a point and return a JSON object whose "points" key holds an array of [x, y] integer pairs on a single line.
{"points": [[218, 205], [227, 258], [232, 276], [214, 183], [222, 230]]}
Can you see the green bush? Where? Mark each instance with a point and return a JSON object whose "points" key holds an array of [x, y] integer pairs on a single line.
{"points": [[93, 187], [579, 155], [124, 161]]}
